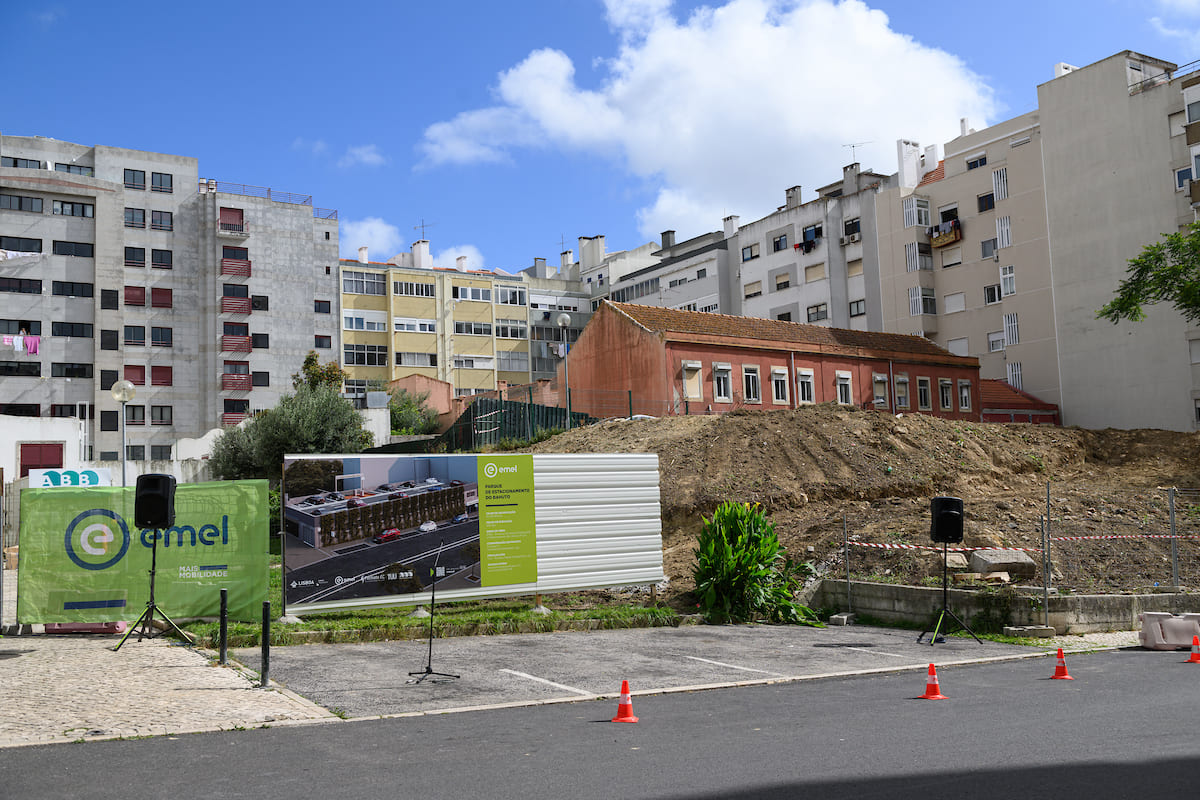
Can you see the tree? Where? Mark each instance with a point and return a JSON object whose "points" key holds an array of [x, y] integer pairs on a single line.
{"points": [[313, 373], [1166, 271], [410, 415], [313, 420], [310, 477]]}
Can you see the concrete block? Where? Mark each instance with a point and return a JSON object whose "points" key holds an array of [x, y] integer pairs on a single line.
{"points": [[1043, 631], [1014, 562], [956, 561], [844, 618]]}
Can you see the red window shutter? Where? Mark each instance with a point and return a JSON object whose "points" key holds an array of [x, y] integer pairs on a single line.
{"points": [[231, 216], [135, 295], [41, 456], [135, 374], [160, 376], [160, 298]]}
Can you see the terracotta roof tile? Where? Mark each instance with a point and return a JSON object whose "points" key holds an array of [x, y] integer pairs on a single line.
{"points": [[935, 174], [669, 320], [996, 394]]}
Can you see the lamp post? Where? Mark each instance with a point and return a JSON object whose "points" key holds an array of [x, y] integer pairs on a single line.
{"points": [[563, 321], [123, 392]]}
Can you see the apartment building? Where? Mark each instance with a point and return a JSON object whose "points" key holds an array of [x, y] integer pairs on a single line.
{"points": [[124, 264], [1006, 247], [471, 328]]}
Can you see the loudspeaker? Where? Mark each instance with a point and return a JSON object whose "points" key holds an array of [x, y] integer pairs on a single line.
{"points": [[947, 519], [154, 502]]}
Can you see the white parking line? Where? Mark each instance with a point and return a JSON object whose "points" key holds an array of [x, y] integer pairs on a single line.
{"points": [[879, 652], [549, 683], [732, 666]]}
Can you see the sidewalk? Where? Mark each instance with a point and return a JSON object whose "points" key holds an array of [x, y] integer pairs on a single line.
{"points": [[72, 687]]}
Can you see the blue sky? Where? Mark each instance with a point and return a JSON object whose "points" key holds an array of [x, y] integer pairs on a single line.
{"points": [[513, 128]]}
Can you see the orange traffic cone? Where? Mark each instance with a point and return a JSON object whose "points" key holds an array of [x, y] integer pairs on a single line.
{"points": [[1195, 658], [1060, 670], [625, 707], [932, 691]]}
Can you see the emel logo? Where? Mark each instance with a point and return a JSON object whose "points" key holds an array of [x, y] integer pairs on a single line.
{"points": [[489, 470], [97, 539]]}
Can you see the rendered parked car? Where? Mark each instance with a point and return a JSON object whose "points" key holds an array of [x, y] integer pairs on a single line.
{"points": [[463, 517], [428, 525], [387, 536], [352, 503]]}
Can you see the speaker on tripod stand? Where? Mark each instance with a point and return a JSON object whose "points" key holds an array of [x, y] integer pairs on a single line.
{"points": [[946, 528]]}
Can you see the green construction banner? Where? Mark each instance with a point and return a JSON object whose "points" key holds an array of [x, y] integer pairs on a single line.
{"points": [[83, 560], [507, 541]]}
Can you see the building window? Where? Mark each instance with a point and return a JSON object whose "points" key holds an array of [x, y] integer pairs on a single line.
{"points": [[82, 330], [107, 378], [161, 337], [17, 202], [901, 391], [924, 394], [779, 385], [260, 302], [814, 272], [960, 346], [135, 256], [1012, 334], [1013, 370], [918, 256], [135, 179], [779, 243], [473, 328], [782, 281], [76, 169], [20, 285], [68, 370], [416, 359], [477, 293], [19, 163], [135, 295], [879, 384], [161, 221], [21, 244], [76, 249], [1008, 280], [818, 312], [135, 217], [414, 325], [858, 308], [109, 421], [964, 395], [812, 233], [71, 289], [135, 335], [109, 340], [161, 259], [237, 368], [364, 321], [260, 341], [753, 289], [751, 389], [511, 329], [162, 182], [845, 389], [951, 257], [805, 386], [722, 383], [991, 294], [512, 361], [65, 209], [1003, 232], [412, 289], [21, 369], [946, 394], [852, 226], [322, 307], [995, 341], [260, 378], [977, 162], [160, 298], [1182, 178], [135, 374], [1000, 183], [782, 316], [988, 248], [921, 300], [136, 452], [234, 290], [750, 252], [160, 452], [365, 355], [955, 302], [987, 202], [323, 342], [510, 297], [360, 282], [161, 376], [693, 388], [473, 362]]}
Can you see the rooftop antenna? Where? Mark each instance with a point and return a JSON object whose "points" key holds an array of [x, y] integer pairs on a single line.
{"points": [[854, 147], [423, 226]]}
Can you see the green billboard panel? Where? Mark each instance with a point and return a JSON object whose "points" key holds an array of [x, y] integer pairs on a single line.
{"points": [[83, 560], [507, 536]]}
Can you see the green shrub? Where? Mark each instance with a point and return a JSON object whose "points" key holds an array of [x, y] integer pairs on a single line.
{"points": [[742, 573]]}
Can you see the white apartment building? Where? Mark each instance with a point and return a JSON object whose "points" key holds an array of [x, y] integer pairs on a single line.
{"points": [[124, 264]]}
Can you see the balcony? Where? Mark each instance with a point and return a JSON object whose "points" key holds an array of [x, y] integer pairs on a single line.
{"points": [[236, 230], [235, 305], [235, 266], [231, 418], [235, 383], [1194, 192], [235, 344], [945, 233]]}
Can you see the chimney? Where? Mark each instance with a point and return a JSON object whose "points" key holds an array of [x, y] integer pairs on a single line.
{"points": [[539, 268], [731, 225], [792, 197], [908, 161], [591, 252], [963, 127], [420, 252], [362, 255], [460, 263], [668, 240]]}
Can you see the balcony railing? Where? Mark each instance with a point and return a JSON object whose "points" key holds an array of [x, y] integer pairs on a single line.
{"points": [[230, 418], [235, 305], [235, 266], [237, 229], [236, 383], [235, 344], [945, 233]]}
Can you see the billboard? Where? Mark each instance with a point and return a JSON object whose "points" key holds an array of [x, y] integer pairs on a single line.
{"points": [[83, 560], [379, 530]]}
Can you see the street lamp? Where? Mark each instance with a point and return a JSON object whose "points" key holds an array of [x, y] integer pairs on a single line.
{"points": [[563, 321], [123, 392]]}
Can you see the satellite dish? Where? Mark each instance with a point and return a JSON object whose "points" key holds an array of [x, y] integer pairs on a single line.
{"points": [[123, 391]]}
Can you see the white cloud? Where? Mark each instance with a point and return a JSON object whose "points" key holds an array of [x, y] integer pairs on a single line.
{"points": [[368, 155], [1187, 7], [314, 146], [723, 111], [382, 238], [448, 258]]}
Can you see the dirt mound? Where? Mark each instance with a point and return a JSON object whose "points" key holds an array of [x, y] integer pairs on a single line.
{"points": [[818, 468]]}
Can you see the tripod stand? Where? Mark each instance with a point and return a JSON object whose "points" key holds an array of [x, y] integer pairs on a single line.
{"points": [[145, 623], [442, 677], [946, 612]]}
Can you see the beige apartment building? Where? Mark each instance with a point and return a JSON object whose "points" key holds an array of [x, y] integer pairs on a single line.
{"points": [[1005, 248]]}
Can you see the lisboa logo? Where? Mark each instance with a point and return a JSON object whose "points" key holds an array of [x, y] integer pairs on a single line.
{"points": [[489, 470], [97, 539]]}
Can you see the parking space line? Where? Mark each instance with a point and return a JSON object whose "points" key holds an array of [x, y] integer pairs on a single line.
{"points": [[879, 652], [549, 683], [733, 666]]}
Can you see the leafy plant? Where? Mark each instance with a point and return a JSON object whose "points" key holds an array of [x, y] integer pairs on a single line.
{"points": [[410, 415], [741, 571]]}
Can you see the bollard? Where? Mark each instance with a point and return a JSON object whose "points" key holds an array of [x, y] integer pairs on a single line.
{"points": [[224, 635], [266, 645]]}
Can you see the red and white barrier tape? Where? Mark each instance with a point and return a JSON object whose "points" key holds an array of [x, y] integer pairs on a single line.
{"points": [[939, 549], [1127, 536]]}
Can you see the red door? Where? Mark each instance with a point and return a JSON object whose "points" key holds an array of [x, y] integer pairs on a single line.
{"points": [[41, 456]]}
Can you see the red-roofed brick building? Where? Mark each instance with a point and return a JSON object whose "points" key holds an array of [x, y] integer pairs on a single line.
{"points": [[1003, 403], [651, 360]]}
